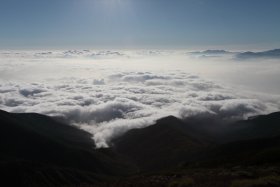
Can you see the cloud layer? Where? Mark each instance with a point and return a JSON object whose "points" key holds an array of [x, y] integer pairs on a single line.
{"points": [[109, 98]]}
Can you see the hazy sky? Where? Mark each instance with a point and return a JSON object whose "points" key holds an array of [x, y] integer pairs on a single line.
{"points": [[139, 23]]}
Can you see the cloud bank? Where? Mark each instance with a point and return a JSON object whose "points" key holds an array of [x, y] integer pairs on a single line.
{"points": [[109, 97]]}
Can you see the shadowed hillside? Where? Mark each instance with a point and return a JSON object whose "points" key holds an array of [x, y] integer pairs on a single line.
{"points": [[161, 146], [37, 150], [171, 141], [255, 127]]}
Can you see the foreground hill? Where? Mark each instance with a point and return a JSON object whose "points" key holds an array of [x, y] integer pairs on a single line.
{"points": [[37, 150], [262, 126], [171, 142], [187, 153], [161, 146]]}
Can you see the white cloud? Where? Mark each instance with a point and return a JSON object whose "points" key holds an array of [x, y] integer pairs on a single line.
{"points": [[108, 97]]}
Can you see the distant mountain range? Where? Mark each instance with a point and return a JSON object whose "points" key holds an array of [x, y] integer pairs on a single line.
{"points": [[37, 150], [211, 52], [275, 53]]}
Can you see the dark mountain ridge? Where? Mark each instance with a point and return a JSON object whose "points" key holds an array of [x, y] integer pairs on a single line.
{"points": [[160, 146], [262, 126], [37, 150], [171, 141], [33, 142]]}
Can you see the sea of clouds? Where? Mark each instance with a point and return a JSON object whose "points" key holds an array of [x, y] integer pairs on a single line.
{"points": [[109, 92]]}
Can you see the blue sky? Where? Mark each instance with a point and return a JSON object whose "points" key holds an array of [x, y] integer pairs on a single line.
{"points": [[139, 23]]}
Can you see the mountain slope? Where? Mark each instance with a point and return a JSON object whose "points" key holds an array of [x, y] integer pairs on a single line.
{"points": [[171, 141], [160, 146], [39, 151], [263, 126], [33, 142]]}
